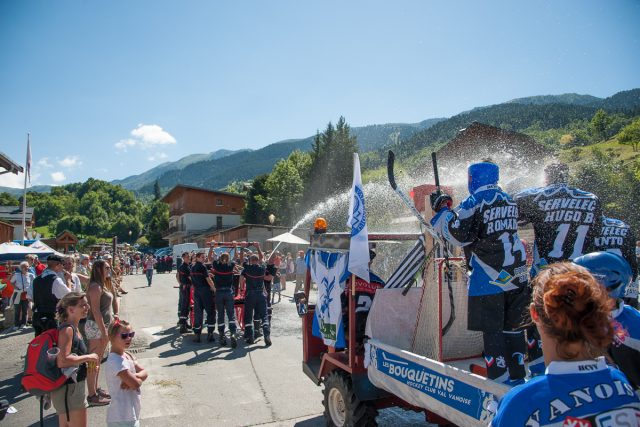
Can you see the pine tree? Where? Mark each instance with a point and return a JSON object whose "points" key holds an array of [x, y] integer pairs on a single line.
{"points": [[332, 162], [156, 191]]}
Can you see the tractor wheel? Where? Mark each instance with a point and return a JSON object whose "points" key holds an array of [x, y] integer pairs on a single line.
{"points": [[341, 406]]}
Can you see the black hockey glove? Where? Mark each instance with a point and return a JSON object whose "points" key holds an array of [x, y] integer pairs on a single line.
{"points": [[440, 200]]}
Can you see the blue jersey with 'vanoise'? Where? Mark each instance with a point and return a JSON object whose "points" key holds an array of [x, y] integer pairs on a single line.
{"points": [[586, 393]]}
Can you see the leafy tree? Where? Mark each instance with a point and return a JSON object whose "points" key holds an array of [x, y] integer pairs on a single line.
{"points": [[599, 124], [123, 224], [285, 186], [7, 199], [156, 224], [567, 140], [237, 187], [47, 207], [630, 135], [254, 211], [612, 181], [86, 242], [77, 224]]}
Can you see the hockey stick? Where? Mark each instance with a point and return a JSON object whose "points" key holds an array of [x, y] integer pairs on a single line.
{"points": [[407, 201], [445, 251], [392, 181]]}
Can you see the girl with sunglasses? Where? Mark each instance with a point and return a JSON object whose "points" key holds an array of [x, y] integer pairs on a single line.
{"points": [[124, 378]]}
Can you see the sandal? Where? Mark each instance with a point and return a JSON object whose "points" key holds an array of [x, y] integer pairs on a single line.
{"points": [[96, 400], [100, 392]]}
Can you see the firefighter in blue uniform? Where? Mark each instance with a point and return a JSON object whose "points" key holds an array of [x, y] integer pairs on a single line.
{"points": [[222, 270], [485, 225], [255, 298], [184, 292], [614, 273], [203, 289]]}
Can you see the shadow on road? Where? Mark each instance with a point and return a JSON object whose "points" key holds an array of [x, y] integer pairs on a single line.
{"points": [[11, 389], [203, 352], [318, 421]]}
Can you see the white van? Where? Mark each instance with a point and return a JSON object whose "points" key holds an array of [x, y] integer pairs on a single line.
{"points": [[181, 248]]}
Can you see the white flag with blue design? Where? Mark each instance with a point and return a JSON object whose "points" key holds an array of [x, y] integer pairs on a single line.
{"points": [[359, 246]]}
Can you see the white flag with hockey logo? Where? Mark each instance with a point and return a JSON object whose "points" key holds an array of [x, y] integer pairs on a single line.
{"points": [[359, 245]]}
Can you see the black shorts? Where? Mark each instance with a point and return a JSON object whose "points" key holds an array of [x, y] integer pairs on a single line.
{"points": [[506, 311]]}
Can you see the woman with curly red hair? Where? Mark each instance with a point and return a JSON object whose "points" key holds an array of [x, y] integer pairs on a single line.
{"points": [[571, 311]]}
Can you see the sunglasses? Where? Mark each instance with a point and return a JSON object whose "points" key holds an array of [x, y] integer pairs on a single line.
{"points": [[125, 335]]}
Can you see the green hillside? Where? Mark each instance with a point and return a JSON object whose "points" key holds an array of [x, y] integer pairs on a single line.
{"points": [[149, 177], [244, 166], [565, 98]]}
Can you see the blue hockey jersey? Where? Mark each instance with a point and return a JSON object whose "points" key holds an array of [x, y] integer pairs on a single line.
{"points": [[585, 393], [485, 225], [616, 236], [625, 350], [565, 220]]}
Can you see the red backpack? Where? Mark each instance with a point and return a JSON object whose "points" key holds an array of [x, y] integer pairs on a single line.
{"points": [[42, 375]]}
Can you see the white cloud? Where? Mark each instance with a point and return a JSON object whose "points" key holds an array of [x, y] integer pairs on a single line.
{"points": [[123, 144], [159, 156], [151, 135], [12, 180], [44, 162], [146, 136], [58, 177], [70, 162], [17, 181]]}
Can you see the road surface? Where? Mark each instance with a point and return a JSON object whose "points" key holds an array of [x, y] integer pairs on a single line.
{"points": [[198, 384]]}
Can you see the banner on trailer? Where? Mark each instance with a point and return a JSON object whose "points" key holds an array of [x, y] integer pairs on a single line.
{"points": [[329, 272], [432, 385]]}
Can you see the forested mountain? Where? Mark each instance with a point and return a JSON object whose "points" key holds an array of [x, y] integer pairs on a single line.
{"points": [[374, 136], [244, 166], [149, 177], [217, 173], [625, 100], [17, 192], [512, 115], [565, 98]]}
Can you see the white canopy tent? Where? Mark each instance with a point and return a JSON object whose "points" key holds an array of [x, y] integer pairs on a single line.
{"points": [[288, 238], [16, 252], [39, 244]]}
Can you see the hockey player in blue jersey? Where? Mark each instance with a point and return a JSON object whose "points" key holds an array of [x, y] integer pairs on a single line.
{"points": [[571, 311], [614, 273], [616, 236], [566, 222], [485, 226]]}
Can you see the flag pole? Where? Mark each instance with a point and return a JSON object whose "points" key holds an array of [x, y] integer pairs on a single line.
{"points": [[24, 191]]}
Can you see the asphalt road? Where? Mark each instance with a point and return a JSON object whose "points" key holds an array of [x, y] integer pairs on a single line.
{"points": [[198, 384]]}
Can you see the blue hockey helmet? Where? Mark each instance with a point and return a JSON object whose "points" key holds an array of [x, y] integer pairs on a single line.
{"points": [[481, 174], [610, 269]]}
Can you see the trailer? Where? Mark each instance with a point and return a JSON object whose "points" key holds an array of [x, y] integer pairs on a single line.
{"points": [[406, 360]]}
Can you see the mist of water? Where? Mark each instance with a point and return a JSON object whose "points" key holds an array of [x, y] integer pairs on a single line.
{"points": [[386, 213]]}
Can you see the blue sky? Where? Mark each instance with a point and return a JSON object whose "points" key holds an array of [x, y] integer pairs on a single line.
{"points": [[111, 89]]}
